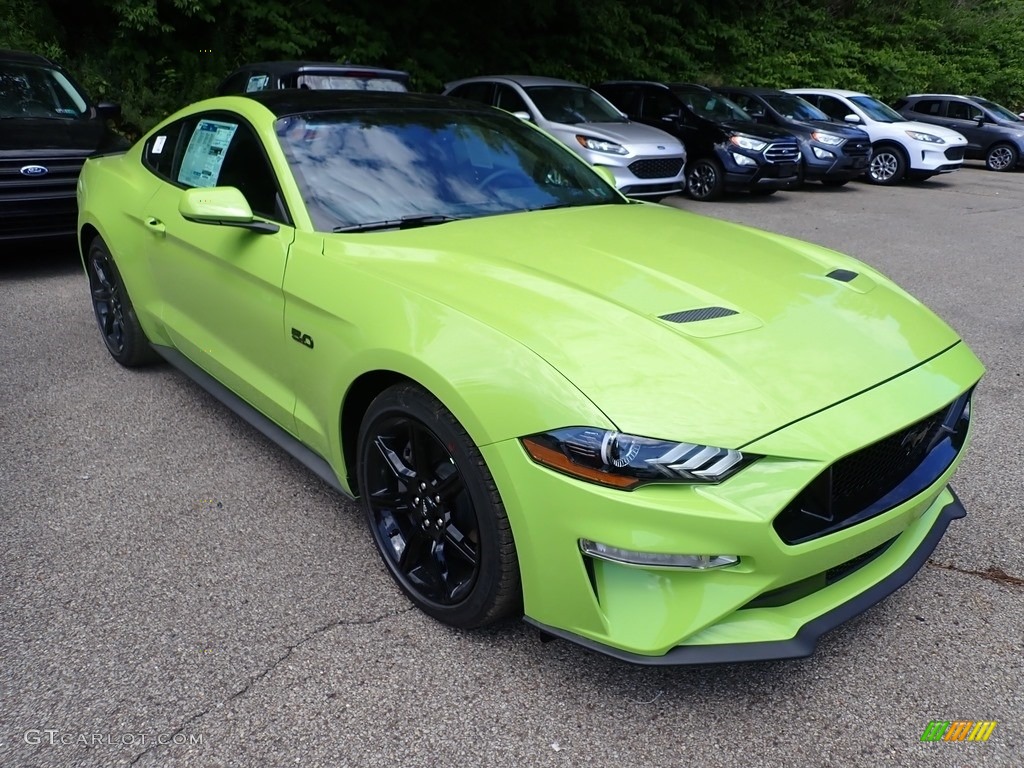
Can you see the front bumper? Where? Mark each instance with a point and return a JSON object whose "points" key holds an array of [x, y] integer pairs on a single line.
{"points": [[840, 166], [646, 176], [936, 159], [759, 607], [804, 642]]}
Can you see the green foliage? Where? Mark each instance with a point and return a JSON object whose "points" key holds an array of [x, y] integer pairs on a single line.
{"points": [[157, 55]]}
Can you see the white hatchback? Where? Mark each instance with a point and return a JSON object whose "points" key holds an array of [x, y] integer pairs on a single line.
{"points": [[901, 148]]}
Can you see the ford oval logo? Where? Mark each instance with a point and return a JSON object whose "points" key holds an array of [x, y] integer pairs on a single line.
{"points": [[34, 170]]}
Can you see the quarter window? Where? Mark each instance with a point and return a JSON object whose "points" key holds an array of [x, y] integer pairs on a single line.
{"points": [[160, 151]]}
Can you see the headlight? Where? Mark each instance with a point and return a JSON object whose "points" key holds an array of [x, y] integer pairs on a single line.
{"points": [[624, 461], [600, 145], [748, 142], [927, 137], [827, 138]]}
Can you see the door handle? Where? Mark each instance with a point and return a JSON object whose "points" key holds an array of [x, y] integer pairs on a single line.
{"points": [[155, 225]]}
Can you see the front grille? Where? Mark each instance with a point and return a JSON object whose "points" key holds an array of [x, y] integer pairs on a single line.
{"points": [[955, 153], [660, 168], [877, 478], [782, 153], [44, 204], [857, 148]]}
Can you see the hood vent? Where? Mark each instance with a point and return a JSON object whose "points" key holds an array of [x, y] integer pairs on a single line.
{"points": [[696, 315], [842, 275]]}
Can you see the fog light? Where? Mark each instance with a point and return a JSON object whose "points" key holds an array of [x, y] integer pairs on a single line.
{"points": [[655, 559], [822, 154], [742, 159]]}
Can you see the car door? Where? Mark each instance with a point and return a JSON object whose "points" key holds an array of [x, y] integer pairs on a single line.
{"points": [[962, 117], [658, 107], [223, 305]]}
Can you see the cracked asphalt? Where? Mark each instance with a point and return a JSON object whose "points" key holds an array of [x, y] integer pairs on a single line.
{"points": [[175, 590]]}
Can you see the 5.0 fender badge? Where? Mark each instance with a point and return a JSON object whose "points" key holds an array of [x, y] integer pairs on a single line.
{"points": [[34, 170]]}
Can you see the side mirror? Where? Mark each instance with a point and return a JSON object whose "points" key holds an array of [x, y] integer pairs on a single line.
{"points": [[980, 120], [523, 116], [605, 173], [757, 114], [224, 206], [108, 110], [852, 118]]}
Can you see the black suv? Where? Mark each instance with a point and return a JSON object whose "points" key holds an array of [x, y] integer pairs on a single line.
{"points": [[994, 133], [47, 128], [316, 75], [726, 150], [833, 152]]}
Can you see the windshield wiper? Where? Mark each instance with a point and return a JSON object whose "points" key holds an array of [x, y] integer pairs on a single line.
{"points": [[406, 222]]}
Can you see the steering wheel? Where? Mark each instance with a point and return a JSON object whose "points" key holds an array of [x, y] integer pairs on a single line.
{"points": [[495, 175]]}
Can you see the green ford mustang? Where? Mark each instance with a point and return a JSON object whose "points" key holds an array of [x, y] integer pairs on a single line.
{"points": [[664, 437]]}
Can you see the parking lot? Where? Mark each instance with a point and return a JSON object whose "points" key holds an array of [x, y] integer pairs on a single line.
{"points": [[175, 590]]}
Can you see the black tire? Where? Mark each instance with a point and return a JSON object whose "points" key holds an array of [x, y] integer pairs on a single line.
{"points": [[434, 510], [1001, 157], [835, 182], [705, 180], [888, 165], [119, 325]]}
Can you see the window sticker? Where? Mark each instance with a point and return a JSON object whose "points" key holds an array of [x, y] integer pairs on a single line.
{"points": [[158, 145], [204, 156], [257, 83]]}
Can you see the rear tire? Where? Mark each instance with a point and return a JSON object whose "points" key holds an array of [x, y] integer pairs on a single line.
{"points": [[119, 325], [888, 165], [705, 180]]}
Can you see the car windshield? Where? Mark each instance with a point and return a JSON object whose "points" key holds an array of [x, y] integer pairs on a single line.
{"points": [[388, 168], [1000, 111], [349, 82], [712, 106], [794, 107], [28, 90], [573, 105], [876, 110]]}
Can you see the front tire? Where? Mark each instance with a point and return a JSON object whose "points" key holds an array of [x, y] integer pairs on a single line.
{"points": [[888, 165], [434, 510], [1002, 157], [704, 180], [119, 325]]}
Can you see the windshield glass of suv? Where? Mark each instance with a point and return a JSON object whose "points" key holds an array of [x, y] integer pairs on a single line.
{"points": [[876, 110], [1001, 112], [573, 105], [390, 165], [27, 90], [325, 82], [794, 107], [711, 106]]}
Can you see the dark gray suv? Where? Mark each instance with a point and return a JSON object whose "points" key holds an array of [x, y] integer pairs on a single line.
{"points": [[994, 133]]}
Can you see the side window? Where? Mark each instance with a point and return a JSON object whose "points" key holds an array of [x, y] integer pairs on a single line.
{"points": [[257, 81], [960, 110], [749, 104], [506, 97], [160, 150], [474, 92], [622, 96], [224, 152], [657, 104], [833, 107], [930, 107], [234, 84]]}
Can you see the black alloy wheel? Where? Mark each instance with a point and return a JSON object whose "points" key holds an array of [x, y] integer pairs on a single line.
{"points": [[434, 510], [119, 326], [704, 180]]}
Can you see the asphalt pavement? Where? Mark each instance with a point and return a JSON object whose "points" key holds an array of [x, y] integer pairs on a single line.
{"points": [[176, 591]]}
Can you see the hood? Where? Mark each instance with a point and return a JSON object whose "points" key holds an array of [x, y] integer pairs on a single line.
{"points": [[639, 138], [768, 132], [846, 130], [25, 134], [588, 289]]}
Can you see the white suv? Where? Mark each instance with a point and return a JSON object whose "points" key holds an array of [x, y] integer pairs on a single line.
{"points": [[901, 148]]}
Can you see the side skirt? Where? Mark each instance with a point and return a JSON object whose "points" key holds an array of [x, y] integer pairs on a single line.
{"points": [[309, 459]]}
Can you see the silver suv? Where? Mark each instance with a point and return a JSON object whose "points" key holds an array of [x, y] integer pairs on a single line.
{"points": [[645, 161]]}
